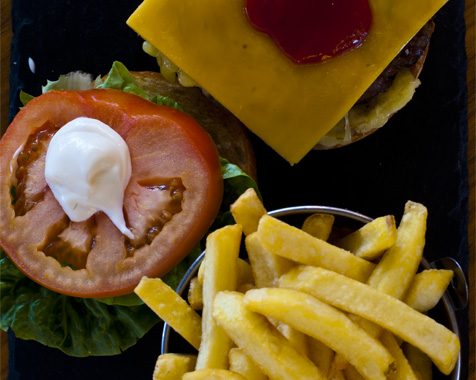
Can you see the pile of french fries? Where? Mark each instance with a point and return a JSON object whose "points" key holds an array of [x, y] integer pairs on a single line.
{"points": [[300, 307]]}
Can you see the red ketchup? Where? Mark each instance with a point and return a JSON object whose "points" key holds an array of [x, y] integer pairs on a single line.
{"points": [[310, 31]]}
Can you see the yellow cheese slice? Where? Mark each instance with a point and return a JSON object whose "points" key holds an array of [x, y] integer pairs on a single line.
{"points": [[289, 106]]}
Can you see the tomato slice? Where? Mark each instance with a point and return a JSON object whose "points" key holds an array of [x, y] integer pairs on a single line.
{"points": [[171, 200]]}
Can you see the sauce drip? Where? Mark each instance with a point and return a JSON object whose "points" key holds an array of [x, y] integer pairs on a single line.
{"points": [[310, 31]]}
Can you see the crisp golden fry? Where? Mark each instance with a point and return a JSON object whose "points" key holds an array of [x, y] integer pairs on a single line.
{"points": [[247, 210], [284, 240], [339, 361], [427, 289], [439, 343], [220, 273], [245, 275], [319, 225], [195, 295], [171, 308], [173, 366], [297, 339], [402, 370], [395, 271], [336, 373], [266, 267], [370, 241], [201, 269], [320, 354], [213, 374], [324, 323], [244, 365], [244, 282], [351, 373], [259, 340], [420, 363], [371, 328], [243, 288]]}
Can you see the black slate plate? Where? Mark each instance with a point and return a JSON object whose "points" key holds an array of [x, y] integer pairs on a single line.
{"points": [[419, 155]]}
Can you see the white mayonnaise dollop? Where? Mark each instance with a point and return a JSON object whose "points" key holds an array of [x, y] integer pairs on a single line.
{"points": [[88, 167]]}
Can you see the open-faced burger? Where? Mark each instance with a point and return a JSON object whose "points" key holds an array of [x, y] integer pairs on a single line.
{"points": [[299, 74]]}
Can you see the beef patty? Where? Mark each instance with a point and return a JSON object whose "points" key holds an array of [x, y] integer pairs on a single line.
{"points": [[407, 58]]}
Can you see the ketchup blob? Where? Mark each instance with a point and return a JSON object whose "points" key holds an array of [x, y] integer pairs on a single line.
{"points": [[310, 31]]}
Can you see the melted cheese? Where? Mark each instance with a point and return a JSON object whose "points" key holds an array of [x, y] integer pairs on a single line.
{"points": [[291, 107]]}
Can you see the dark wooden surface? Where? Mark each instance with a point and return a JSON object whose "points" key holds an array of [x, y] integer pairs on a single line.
{"points": [[470, 49]]}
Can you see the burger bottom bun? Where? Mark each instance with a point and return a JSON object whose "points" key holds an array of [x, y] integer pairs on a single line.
{"points": [[228, 133]]}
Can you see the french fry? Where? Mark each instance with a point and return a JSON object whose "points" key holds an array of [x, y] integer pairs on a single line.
{"points": [[302, 329], [171, 308], [427, 289], [245, 275], [212, 374], [195, 295], [395, 271], [220, 273], [265, 266], [290, 242], [420, 363], [201, 269], [243, 288], [324, 323], [319, 225], [320, 354], [244, 365], [351, 373], [339, 361], [247, 210], [336, 373], [371, 240], [402, 370], [439, 343], [297, 339], [259, 340], [173, 366]]}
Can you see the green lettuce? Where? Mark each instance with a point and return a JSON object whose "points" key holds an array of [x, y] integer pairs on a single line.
{"points": [[236, 181], [77, 326], [120, 78], [25, 97], [96, 327]]}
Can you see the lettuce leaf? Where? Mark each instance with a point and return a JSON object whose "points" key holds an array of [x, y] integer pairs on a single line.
{"points": [[96, 327], [120, 78], [25, 97], [77, 326], [236, 181]]}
